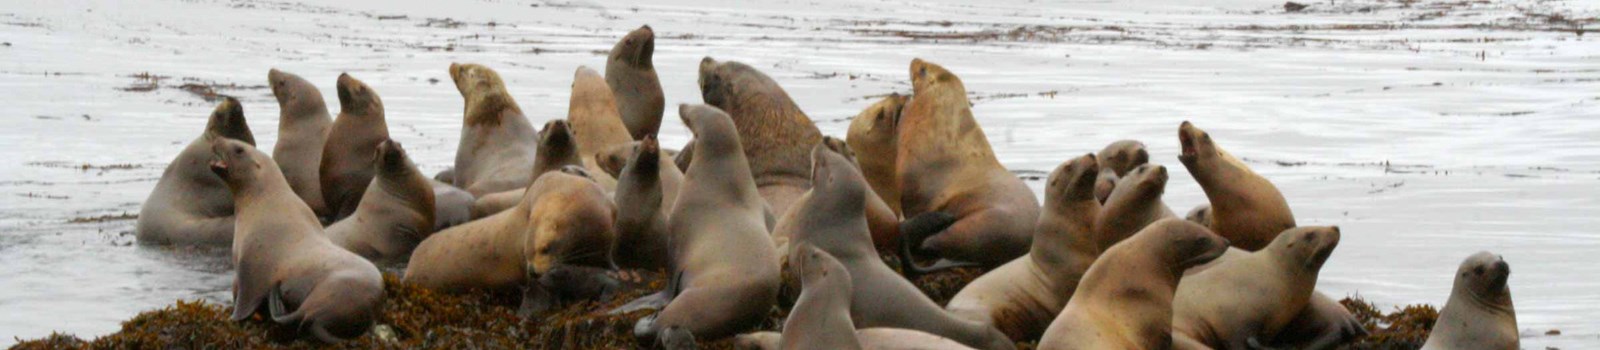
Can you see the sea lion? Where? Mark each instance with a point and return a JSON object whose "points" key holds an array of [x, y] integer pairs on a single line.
{"points": [[556, 149], [950, 179], [871, 339], [562, 220], [872, 136], [882, 221], [190, 204], [1135, 203], [497, 141], [396, 212], [646, 191], [592, 115], [1119, 157], [614, 158], [776, 135], [1201, 214], [1242, 300], [1245, 207], [725, 269], [832, 217], [1323, 324], [353, 138], [281, 258], [1023, 296], [303, 124], [632, 78], [1479, 314], [1125, 300]]}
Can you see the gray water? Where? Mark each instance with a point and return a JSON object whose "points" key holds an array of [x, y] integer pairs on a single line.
{"points": [[1427, 130]]}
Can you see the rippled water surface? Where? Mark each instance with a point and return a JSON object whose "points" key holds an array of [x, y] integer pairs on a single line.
{"points": [[1427, 130]]}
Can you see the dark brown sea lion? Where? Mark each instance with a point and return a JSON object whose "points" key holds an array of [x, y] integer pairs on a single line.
{"points": [[190, 204], [497, 141], [1255, 296], [632, 77], [873, 138], [396, 212], [352, 140], [1245, 207], [1479, 314], [777, 136], [303, 125]]}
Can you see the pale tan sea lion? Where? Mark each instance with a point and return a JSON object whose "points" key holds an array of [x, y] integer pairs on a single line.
{"points": [[281, 258], [452, 206], [882, 221], [777, 136], [190, 204], [596, 126], [873, 138], [497, 141], [1245, 207], [632, 77], [1119, 157], [1323, 324], [303, 125], [646, 191], [353, 138], [1255, 296], [1126, 300], [1479, 314], [963, 204], [556, 149], [1134, 203], [1023, 296], [396, 212]]}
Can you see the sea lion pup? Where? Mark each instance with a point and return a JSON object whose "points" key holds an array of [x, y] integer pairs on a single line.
{"points": [[776, 135], [1023, 296], [1119, 157], [1201, 214], [352, 140], [497, 141], [872, 137], [556, 149], [645, 193], [1245, 207], [1125, 300], [395, 214], [1135, 203], [1251, 297], [190, 204], [303, 124], [960, 203], [451, 206], [632, 78], [282, 260], [562, 219], [832, 217], [592, 114], [725, 269], [1479, 314]]}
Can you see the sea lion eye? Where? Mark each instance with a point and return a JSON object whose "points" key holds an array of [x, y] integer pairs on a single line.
{"points": [[1478, 270], [923, 71]]}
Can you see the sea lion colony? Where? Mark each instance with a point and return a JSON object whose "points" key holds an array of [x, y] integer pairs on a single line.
{"points": [[585, 204]]}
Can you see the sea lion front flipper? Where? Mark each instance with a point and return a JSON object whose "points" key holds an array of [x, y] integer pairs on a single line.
{"points": [[535, 300], [654, 301], [247, 296]]}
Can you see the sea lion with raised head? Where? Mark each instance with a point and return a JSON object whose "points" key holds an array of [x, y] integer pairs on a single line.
{"points": [[1119, 157], [882, 221], [190, 204], [1245, 207], [596, 126], [959, 202], [1323, 324], [646, 191], [1479, 314], [396, 212], [1254, 297], [497, 140], [632, 77], [1023, 296], [353, 138], [872, 136], [556, 149], [1125, 300], [282, 261], [777, 136], [1135, 203], [303, 124]]}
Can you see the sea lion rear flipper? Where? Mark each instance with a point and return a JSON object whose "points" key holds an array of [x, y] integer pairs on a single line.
{"points": [[913, 231], [674, 338], [277, 310]]}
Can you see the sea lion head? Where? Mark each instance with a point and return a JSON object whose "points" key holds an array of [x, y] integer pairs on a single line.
{"points": [[356, 98], [925, 75], [878, 121], [837, 185], [1105, 184], [1122, 156], [636, 48], [406, 183], [646, 156], [1181, 243], [814, 266], [391, 158], [571, 223], [613, 159], [556, 146], [713, 130], [236, 162], [227, 121], [296, 96], [1144, 181], [1201, 214], [1310, 246], [1483, 276], [720, 82], [1074, 180], [1196, 144], [838, 146], [484, 93]]}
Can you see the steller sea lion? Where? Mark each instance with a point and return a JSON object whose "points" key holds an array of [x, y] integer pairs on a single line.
{"points": [[725, 268], [1323, 324], [1479, 314], [596, 126], [1119, 157], [1125, 300], [281, 259], [632, 78], [872, 136], [1245, 207], [1135, 203], [497, 141], [881, 220], [959, 202], [396, 212], [190, 204], [303, 124], [556, 150], [777, 136], [1023, 296], [646, 191], [346, 168], [451, 206], [1243, 300], [613, 159]]}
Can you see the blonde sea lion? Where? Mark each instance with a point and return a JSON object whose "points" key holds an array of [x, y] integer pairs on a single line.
{"points": [[556, 149], [190, 204], [1245, 207], [777, 136], [1479, 314], [396, 212], [1135, 203], [959, 202], [1241, 300], [353, 138], [281, 258], [1119, 157], [872, 136], [632, 78], [303, 124], [596, 126], [1023, 296], [497, 141], [646, 191], [1125, 300], [1323, 324]]}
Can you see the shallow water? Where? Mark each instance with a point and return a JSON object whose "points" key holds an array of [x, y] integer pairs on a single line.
{"points": [[1426, 131]]}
